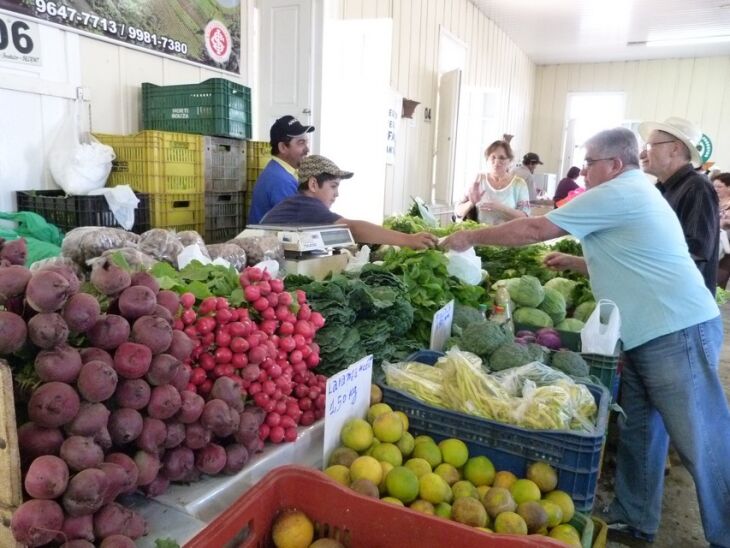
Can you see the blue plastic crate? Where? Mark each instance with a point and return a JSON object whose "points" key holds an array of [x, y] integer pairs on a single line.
{"points": [[575, 455]]}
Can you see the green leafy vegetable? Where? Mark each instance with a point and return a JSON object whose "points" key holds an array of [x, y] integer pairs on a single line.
{"points": [[200, 280]]}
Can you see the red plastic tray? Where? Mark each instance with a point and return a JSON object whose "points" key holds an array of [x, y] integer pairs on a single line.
{"points": [[355, 520]]}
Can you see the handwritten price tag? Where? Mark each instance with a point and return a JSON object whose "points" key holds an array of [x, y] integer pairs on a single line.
{"points": [[441, 326], [348, 397]]}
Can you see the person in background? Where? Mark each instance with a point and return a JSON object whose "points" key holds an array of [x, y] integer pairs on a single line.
{"points": [[525, 171], [721, 182], [566, 185], [278, 180], [319, 182], [498, 195], [669, 153], [635, 254]]}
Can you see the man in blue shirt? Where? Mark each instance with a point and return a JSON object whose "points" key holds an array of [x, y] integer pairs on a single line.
{"points": [[278, 180], [319, 182], [636, 255]]}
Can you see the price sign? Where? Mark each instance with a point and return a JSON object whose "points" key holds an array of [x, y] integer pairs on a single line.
{"points": [[19, 42], [348, 397], [441, 326]]}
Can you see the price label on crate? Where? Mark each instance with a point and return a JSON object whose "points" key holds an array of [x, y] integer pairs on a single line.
{"points": [[348, 397], [441, 326]]}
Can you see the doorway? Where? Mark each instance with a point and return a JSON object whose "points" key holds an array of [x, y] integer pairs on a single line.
{"points": [[585, 115]]}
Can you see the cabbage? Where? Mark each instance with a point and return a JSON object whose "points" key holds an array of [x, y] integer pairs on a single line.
{"points": [[554, 305], [532, 317], [583, 311], [527, 292], [570, 324], [565, 286]]}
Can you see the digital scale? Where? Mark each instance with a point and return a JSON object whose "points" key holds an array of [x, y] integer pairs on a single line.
{"points": [[311, 250]]}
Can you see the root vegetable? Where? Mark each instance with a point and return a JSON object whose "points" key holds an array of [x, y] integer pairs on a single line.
{"points": [[81, 452], [210, 459], [115, 519], [91, 418], [136, 301], [181, 345], [117, 541], [170, 300], [14, 251], [236, 458], [63, 364], [217, 417], [163, 313], [153, 332], [85, 493], [47, 330], [53, 404], [147, 280], [97, 381], [148, 466], [68, 274], [109, 331], [153, 435], [132, 360], [116, 477], [182, 377], [256, 445], [79, 528], [158, 486], [13, 332], [130, 467], [81, 312], [165, 401], [103, 439], [191, 407], [77, 543], [134, 394], [175, 434], [47, 477], [225, 389], [109, 278], [178, 463], [36, 522], [91, 354], [197, 436], [13, 280], [125, 425], [248, 427], [47, 291], [35, 440], [163, 369]]}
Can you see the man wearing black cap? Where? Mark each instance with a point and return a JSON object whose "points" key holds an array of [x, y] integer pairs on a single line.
{"points": [[525, 170], [278, 180], [319, 182]]}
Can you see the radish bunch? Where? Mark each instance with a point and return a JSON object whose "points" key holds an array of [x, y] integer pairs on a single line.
{"points": [[266, 347]]}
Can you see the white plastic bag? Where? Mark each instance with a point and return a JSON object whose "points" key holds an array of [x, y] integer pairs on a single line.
{"points": [[77, 161], [357, 261], [465, 265], [602, 331], [122, 202]]}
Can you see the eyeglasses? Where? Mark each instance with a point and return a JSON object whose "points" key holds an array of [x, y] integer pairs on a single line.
{"points": [[649, 146], [588, 162]]}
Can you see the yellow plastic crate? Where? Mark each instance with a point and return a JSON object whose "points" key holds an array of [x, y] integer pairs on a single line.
{"points": [[258, 153], [157, 162], [178, 211]]}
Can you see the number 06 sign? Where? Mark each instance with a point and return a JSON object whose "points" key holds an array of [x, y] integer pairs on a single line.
{"points": [[19, 41]]}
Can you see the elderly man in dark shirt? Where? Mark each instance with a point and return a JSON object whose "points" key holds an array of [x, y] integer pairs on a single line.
{"points": [[669, 153]]}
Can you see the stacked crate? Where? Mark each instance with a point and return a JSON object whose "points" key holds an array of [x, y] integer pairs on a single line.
{"points": [[166, 166], [258, 154], [225, 188]]}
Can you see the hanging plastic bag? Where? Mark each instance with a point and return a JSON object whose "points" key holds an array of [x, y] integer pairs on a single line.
{"points": [[122, 202], [465, 265], [602, 331], [77, 161]]}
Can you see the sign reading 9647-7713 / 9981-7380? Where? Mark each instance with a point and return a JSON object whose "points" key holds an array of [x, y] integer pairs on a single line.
{"points": [[202, 32]]}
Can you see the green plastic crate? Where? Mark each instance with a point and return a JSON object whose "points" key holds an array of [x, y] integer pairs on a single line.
{"points": [[214, 107]]}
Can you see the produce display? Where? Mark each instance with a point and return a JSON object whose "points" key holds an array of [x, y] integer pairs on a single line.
{"points": [[380, 458]]}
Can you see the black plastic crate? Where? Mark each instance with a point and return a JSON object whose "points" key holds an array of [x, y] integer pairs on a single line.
{"points": [[69, 212], [225, 215]]}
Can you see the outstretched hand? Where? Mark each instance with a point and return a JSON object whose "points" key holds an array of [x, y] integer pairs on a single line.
{"points": [[422, 240], [458, 241]]}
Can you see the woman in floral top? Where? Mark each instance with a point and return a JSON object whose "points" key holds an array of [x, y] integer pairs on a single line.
{"points": [[496, 196]]}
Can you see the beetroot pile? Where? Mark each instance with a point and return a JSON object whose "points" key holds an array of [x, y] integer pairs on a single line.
{"points": [[154, 393]]}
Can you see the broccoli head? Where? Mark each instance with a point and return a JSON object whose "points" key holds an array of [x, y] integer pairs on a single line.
{"points": [[464, 316], [538, 353], [483, 338], [571, 363], [509, 355]]}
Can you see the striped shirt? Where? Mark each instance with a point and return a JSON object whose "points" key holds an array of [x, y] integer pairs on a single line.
{"points": [[695, 202]]}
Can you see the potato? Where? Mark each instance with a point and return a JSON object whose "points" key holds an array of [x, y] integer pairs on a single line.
{"points": [[63, 364], [85, 493], [81, 452], [109, 331], [91, 418], [97, 381], [130, 467], [36, 522], [47, 477], [35, 440], [134, 393], [178, 463], [152, 332], [53, 404], [165, 401], [132, 360], [81, 312], [125, 425], [13, 332], [47, 330]]}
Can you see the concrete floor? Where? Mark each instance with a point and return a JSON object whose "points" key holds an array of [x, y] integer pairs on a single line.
{"points": [[681, 526]]}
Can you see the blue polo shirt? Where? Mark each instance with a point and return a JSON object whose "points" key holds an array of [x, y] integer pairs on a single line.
{"points": [[273, 185], [637, 256], [300, 209]]}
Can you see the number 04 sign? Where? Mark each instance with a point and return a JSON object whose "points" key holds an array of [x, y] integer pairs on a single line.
{"points": [[19, 41]]}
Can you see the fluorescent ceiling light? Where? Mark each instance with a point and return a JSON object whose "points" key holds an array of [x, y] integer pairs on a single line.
{"points": [[689, 41]]}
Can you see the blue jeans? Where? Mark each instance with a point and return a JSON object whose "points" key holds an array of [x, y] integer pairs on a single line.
{"points": [[671, 386]]}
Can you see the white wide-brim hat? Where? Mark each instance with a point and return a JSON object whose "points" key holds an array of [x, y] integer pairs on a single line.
{"points": [[680, 128]]}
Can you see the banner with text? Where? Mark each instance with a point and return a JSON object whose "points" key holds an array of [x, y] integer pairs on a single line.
{"points": [[206, 32]]}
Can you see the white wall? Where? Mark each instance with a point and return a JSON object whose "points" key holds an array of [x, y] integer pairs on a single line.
{"points": [[697, 89], [493, 61]]}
